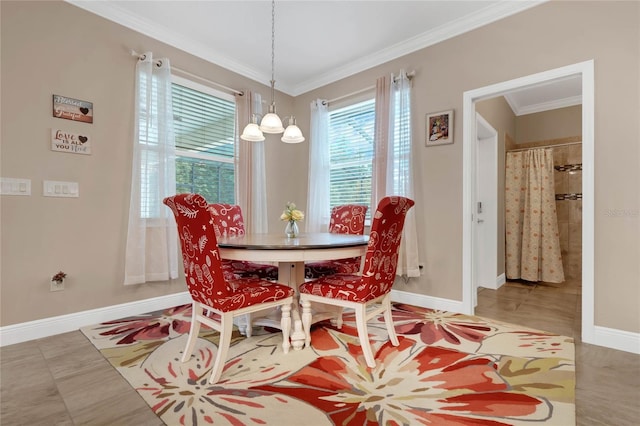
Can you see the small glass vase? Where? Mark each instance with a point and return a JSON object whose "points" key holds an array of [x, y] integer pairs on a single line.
{"points": [[291, 230]]}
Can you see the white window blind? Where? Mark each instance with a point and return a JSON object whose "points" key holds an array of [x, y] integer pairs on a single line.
{"points": [[402, 142], [351, 152], [204, 123]]}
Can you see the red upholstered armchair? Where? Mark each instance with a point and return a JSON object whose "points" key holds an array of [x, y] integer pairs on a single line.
{"points": [[345, 219], [228, 222], [217, 300], [373, 286]]}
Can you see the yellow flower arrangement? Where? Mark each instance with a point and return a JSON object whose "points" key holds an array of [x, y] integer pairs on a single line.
{"points": [[291, 213]]}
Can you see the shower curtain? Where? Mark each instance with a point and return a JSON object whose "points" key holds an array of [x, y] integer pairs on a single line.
{"points": [[532, 237]]}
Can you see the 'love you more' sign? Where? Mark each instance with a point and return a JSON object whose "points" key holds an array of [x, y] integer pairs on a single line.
{"points": [[73, 143]]}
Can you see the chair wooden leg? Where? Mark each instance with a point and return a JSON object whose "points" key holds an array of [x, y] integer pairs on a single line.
{"points": [[285, 326], [306, 320], [361, 323], [248, 330], [226, 328], [339, 317], [388, 319], [193, 332]]}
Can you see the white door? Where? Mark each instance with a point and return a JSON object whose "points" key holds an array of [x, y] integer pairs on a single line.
{"points": [[486, 208]]}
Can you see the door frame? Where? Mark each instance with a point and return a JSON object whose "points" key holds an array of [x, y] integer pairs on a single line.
{"points": [[486, 140], [586, 71]]}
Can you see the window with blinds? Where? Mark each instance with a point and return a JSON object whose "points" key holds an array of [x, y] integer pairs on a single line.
{"points": [[204, 126], [351, 153]]}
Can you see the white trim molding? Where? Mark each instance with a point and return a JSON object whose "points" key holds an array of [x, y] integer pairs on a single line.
{"points": [[425, 301], [617, 339], [18, 333]]}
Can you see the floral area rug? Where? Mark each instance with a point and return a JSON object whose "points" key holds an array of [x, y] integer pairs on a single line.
{"points": [[449, 369]]}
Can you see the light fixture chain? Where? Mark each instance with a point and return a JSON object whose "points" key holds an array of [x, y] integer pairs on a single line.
{"points": [[273, 50]]}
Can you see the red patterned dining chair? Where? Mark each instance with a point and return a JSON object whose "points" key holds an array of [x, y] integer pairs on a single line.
{"points": [[216, 299], [372, 287], [228, 222], [345, 219]]}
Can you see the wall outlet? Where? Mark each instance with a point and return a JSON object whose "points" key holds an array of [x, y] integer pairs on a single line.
{"points": [[57, 285]]}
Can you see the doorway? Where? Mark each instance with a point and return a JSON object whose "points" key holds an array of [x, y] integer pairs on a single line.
{"points": [[471, 153]]}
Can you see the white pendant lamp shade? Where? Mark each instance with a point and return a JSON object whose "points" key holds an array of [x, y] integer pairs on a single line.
{"points": [[271, 123], [293, 134], [252, 133]]}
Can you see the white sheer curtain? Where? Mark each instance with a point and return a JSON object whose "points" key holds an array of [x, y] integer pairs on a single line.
{"points": [[393, 160], [317, 214], [381, 142], [251, 188], [400, 169], [151, 251]]}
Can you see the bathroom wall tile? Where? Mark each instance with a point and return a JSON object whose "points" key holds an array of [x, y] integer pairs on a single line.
{"points": [[574, 154], [575, 238], [560, 181], [573, 265], [559, 156], [575, 211], [574, 182], [563, 230], [562, 210]]}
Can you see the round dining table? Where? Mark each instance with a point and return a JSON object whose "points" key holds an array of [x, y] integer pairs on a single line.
{"points": [[291, 254]]}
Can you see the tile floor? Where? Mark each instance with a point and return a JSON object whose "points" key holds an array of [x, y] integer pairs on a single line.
{"points": [[63, 379]]}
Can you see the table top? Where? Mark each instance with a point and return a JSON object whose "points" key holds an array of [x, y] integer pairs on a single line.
{"points": [[305, 247], [304, 241]]}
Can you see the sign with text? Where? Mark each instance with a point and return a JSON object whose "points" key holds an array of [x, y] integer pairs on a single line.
{"points": [[72, 109], [72, 143]]}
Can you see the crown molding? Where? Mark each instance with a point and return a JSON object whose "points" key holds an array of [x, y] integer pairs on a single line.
{"points": [[543, 106], [113, 12], [452, 29]]}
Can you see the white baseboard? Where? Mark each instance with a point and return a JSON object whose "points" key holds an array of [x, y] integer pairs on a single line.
{"points": [[616, 339], [426, 301], [500, 281], [17, 333]]}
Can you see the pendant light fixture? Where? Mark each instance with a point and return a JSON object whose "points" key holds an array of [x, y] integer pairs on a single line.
{"points": [[271, 122]]}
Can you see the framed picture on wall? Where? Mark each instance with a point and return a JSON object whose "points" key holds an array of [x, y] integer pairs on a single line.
{"points": [[439, 128], [72, 109]]}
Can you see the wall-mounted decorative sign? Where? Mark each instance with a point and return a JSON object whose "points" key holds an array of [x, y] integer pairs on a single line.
{"points": [[72, 109], [439, 128], [73, 143]]}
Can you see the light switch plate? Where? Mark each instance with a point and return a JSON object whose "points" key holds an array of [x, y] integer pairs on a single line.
{"points": [[54, 188], [14, 186]]}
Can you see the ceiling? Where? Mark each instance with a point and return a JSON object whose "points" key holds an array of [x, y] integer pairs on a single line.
{"points": [[316, 42]]}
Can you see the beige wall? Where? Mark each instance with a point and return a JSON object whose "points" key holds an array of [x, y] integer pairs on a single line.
{"points": [[56, 48], [85, 236], [548, 36], [555, 124]]}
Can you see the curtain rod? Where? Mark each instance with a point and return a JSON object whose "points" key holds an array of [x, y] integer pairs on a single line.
{"points": [[348, 95], [366, 89], [544, 146], [188, 74]]}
